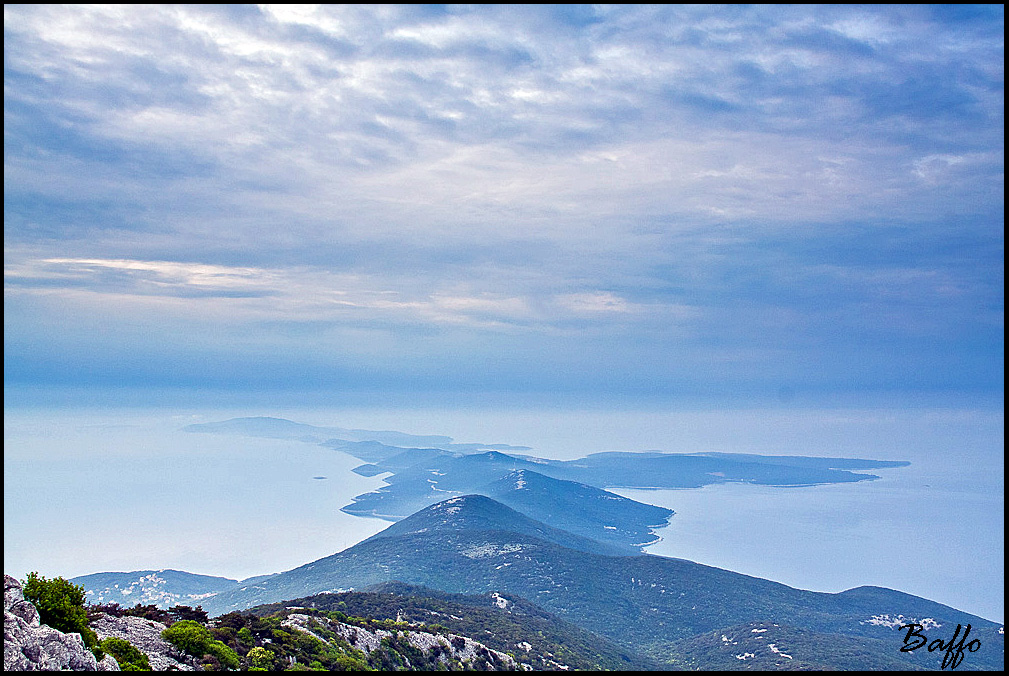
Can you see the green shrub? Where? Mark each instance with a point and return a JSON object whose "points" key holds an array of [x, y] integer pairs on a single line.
{"points": [[225, 655], [351, 663], [260, 657], [127, 655], [189, 637], [244, 636], [60, 604], [193, 638]]}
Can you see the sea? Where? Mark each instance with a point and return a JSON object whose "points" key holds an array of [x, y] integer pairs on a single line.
{"points": [[103, 489]]}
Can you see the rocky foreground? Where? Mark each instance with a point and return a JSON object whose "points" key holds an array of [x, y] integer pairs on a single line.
{"points": [[32, 646]]}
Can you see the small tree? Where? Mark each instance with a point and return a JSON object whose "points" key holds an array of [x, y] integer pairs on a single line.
{"points": [[197, 614], [150, 612], [60, 604]]}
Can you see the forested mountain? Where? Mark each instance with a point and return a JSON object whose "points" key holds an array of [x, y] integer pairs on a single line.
{"points": [[648, 604]]}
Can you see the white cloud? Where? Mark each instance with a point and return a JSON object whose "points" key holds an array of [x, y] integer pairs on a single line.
{"points": [[593, 303], [503, 169], [240, 294], [361, 129]]}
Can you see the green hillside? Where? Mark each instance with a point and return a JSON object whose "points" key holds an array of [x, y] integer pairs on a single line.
{"points": [[513, 625], [644, 603]]}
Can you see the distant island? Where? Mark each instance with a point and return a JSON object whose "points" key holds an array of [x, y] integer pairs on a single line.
{"points": [[422, 470]]}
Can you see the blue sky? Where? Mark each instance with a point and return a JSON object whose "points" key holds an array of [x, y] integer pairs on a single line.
{"points": [[726, 204]]}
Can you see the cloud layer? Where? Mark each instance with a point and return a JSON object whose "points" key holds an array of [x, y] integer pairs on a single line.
{"points": [[651, 199]]}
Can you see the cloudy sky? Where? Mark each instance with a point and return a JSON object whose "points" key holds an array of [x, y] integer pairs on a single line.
{"points": [[577, 203]]}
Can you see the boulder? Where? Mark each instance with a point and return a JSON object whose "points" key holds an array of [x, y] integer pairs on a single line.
{"points": [[146, 636], [32, 646]]}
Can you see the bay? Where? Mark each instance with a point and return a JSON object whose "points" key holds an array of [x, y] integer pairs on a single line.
{"points": [[87, 493]]}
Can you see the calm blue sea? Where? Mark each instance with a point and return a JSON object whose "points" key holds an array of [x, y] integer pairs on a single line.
{"points": [[100, 490]]}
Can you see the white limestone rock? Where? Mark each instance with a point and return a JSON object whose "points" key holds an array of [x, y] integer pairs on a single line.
{"points": [[462, 648], [32, 646], [145, 635]]}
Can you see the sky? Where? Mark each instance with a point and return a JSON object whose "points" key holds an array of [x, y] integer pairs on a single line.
{"points": [[732, 205]]}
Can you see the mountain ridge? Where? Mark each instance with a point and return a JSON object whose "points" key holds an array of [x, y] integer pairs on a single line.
{"points": [[646, 603]]}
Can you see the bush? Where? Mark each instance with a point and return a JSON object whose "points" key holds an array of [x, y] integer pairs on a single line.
{"points": [[189, 637], [245, 637], [127, 655], [260, 657], [193, 638], [60, 604], [225, 655]]}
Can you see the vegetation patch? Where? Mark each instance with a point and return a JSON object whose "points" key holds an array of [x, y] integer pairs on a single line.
{"points": [[129, 657], [61, 606], [192, 637]]}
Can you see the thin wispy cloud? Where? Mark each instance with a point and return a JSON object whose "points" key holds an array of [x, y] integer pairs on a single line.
{"points": [[664, 184], [295, 294]]}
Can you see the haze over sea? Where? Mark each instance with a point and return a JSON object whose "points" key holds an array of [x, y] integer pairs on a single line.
{"points": [[99, 490]]}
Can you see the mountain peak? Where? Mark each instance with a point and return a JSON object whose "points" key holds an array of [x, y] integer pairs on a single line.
{"points": [[480, 513], [464, 512], [467, 502]]}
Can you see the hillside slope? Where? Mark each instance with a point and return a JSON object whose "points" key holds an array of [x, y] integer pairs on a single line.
{"points": [[647, 603], [535, 637]]}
